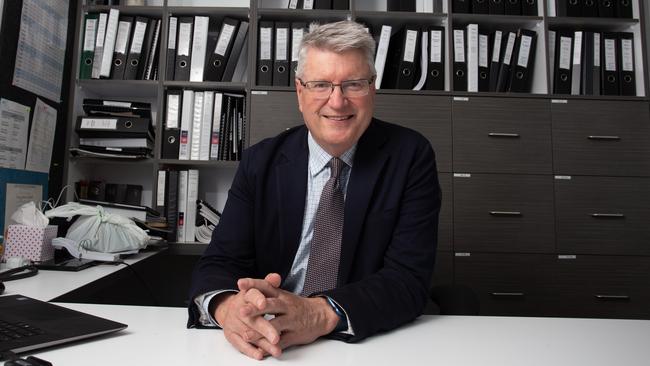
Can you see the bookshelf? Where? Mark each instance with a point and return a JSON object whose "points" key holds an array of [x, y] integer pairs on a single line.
{"points": [[520, 175]]}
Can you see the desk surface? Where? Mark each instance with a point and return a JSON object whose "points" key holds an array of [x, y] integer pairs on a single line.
{"points": [[157, 336]]}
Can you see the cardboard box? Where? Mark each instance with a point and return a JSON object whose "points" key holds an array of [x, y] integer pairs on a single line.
{"points": [[33, 243]]}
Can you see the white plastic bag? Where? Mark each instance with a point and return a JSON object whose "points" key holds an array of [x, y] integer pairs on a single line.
{"points": [[99, 231]]}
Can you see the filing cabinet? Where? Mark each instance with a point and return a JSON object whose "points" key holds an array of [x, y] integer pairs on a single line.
{"points": [[503, 213], [445, 223], [502, 135]]}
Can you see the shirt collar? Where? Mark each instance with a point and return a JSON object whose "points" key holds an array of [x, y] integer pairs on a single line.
{"points": [[319, 158]]}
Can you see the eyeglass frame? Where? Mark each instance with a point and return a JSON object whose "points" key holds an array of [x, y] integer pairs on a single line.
{"points": [[340, 85]]}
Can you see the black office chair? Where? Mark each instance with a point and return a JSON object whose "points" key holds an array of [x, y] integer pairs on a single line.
{"points": [[455, 300]]}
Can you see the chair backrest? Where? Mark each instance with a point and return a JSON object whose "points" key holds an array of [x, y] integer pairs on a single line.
{"points": [[455, 300]]}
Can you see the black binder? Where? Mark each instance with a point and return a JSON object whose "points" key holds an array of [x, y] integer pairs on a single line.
{"points": [[118, 108], [624, 9], [171, 203], [124, 30], [403, 59], [340, 4], [281, 56], [483, 62], [265, 53], [496, 55], [523, 63], [626, 52], [171, 133], [563, 62], [529, 7], [134, 59], [436, 66], [461, 6], [480, 6], [587, 76], [497, 7], [172, 40], [150, 50], [400, 5], [460, 61], [322, 4], [610, 64], [607, 8], [121, 127], [512, 7], [218, 56], [505, 68], [237, 46], [184, 48], [589, 8], [568, 8]]}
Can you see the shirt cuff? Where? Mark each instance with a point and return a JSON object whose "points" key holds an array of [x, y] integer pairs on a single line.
{"points": [[203, 303], [348, 331]]}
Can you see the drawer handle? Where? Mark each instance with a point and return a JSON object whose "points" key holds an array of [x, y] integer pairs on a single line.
{"points": [[499, 134], [608, 138], [608, 215], [505, 213], [507, 294], [613, 297]]}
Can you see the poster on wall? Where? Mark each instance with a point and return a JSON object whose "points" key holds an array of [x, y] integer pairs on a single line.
{"points": [[40, 56]]}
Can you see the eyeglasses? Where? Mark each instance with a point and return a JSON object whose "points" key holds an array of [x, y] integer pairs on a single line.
{"points": [[349, 88]]}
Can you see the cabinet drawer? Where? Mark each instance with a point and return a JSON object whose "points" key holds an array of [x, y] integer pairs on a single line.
{"points": [[271, 113], [499, 135], [603, 138], [429, 115], [507, 284], [503, 213], [603, 286], [446, 213], [603, 215]]}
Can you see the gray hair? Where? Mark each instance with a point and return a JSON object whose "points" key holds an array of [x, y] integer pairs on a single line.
{"points": [[341, 36]]}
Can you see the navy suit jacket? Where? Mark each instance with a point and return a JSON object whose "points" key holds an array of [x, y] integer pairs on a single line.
{"points": [[389, 232]]}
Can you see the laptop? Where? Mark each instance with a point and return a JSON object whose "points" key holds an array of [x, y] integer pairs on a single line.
{"points": [[27, 324]]}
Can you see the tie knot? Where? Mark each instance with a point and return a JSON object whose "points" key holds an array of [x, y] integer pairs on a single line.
{"points": [[336, 165]]}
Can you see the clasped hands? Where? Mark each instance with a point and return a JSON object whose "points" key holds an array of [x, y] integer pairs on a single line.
{"points": [[296, 320]]}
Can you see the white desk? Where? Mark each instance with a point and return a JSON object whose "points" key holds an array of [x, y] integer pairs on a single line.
{"points": [[157, 336], [47, 285]]}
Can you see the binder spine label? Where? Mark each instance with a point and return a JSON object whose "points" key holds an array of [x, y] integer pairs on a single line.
{"points": [[610, 54], [524, 51], [89, 38], [224, 39], [265, 45], [459, 45], [123, 31], [138, 37], [409, 50], [507, 57], [173, 24], [577, 48], [627, 58], [98, 124], [496, 49], [565, 53], [184, 39], [160, 192], [436, 46], [281, 35], [296, 38], [483, 50], [597, 49], [173, 103]]}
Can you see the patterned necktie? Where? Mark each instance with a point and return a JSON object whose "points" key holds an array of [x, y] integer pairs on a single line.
{"points": [[325, 251]]}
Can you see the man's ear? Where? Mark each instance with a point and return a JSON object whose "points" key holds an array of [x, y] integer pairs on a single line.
{"points": [[299, 90]]}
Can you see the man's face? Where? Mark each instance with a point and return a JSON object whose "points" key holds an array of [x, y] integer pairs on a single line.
{"points": [[337, 122]]}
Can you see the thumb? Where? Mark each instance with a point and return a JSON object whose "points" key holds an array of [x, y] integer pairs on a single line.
{"points": [[274, 279]]}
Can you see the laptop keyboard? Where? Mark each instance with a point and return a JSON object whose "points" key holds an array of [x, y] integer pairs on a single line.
{"points": [[11, 331]]}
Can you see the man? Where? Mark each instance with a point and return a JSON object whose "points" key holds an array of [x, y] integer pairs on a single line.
{"points": [[358, 266]]}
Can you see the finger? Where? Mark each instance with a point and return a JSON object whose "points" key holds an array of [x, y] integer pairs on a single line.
{"points": [[263, 327], [263, 286], [289, 339], [256, 298], [243, 346], [274, 279], [269, 348]]}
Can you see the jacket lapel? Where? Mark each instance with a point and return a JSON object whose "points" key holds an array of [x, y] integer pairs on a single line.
{"points": [[291, 174], [369, 161]]}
